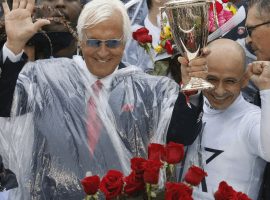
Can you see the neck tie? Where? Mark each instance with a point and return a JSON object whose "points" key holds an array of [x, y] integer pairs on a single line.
{"points": [[93, 125]]}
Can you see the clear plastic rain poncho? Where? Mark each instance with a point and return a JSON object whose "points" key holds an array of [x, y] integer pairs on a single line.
{"points": [[45, 141]]}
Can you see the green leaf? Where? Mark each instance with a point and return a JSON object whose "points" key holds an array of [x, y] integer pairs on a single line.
{"points": [[153, 73], [163, 42], [153, 195], [88, 197], [95, 196], [165, 20], [169, 38], [161, 66]]}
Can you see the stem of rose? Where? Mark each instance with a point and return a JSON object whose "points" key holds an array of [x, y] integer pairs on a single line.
{"points": [[148, 189], [149, 53]]}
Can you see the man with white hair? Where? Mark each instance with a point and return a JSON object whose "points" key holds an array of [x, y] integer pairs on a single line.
{"points": [[85, 114]]}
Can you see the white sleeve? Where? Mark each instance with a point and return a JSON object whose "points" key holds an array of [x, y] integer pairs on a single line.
{"points": [[265, 123], [259, 137], [12, 57]]}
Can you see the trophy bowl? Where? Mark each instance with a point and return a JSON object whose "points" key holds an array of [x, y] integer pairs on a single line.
{"points": [[189, 23]]}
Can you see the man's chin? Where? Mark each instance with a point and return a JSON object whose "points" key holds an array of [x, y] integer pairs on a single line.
{"points": [[219, 104]]}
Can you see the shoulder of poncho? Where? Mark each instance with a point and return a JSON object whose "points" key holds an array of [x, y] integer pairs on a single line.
{"points": [[142, 77], [60, 62], [56, 64]]}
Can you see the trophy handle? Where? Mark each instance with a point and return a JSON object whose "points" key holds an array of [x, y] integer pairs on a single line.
{"points": [[215, 14], [161, 10]]}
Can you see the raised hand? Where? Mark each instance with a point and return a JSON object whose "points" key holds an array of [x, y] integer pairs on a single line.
{"points": [[259, 73], [19, 25], [195, 68]]}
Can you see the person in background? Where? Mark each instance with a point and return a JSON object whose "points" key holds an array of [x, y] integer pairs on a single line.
{"points": [[258, 28]]}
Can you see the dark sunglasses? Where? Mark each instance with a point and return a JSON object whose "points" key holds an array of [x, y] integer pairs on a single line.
{"points": [[250, 28], [96, 43]]}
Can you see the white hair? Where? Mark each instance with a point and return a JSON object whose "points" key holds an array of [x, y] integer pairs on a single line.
{"points": [[98, 11]]}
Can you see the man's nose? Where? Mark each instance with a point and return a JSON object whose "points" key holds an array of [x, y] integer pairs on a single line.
{"points": [[103, 50], [219, 89], [248, 40], [60, 4]]}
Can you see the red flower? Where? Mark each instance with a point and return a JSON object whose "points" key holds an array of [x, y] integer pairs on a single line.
{"points": [[174, 153], [225, 192], [112, 184], [242, 196], [137, 167], [133, 185], [128, 107], [151, 172], [225, 1], [141, 35], [176, 191], [169, 48], [219, 7], [194, 175], [156, 151], [91, 184]]}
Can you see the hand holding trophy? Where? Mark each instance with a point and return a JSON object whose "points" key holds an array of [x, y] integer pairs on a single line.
{"points": [[189, 22]]}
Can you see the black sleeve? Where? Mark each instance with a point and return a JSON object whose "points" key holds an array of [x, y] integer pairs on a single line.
{"points": [[9, 75], [185, 123]]}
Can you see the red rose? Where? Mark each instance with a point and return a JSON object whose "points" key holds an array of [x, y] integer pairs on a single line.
{"points": [[225, 192], [178, 191], [137, 167], [219, 7], [194, 175], [169, 48], [112, 184], [133, 185], [91, 184], [151, 172], [179, 185], [242, 196], [141, 35], [156, 151], [225, 1], [174, 153]]}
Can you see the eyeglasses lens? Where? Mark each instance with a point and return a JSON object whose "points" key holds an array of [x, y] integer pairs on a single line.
{"points": [[95, 43], [113, 43]]}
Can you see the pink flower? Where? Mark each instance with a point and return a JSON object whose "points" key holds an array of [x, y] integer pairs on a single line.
{"points": [[223, 17], [128, 107], [227, 15]]}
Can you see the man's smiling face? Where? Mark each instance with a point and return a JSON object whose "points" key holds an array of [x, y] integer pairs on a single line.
{"points": [[103, 61], [226, 71]]}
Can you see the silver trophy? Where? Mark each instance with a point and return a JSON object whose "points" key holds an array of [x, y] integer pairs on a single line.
{"points": [[189, 24]]}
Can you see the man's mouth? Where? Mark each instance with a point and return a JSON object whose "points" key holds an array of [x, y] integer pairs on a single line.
{"points": [[102, 61], [220, 98]]}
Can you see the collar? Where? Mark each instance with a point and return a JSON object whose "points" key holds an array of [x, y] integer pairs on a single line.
{"points": [[232, 108]]}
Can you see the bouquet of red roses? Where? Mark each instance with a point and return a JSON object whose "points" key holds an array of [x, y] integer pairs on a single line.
{"points": [[142, 182]]}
